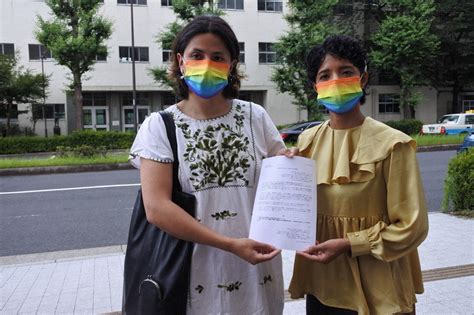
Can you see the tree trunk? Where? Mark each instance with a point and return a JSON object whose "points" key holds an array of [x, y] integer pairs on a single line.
{"points": [[407, 111], [78, 101], [412, 112], [455, 105], [8, 114]]}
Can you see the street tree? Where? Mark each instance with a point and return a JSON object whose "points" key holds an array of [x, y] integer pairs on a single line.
{"points": [[18, 86], [310, 22], [404, 45], [185, 11], [75, 36], [454, 26]]}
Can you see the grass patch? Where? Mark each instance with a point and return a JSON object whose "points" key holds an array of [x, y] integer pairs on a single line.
{"points": [[423, 140], [427, 140], [62, 161]]}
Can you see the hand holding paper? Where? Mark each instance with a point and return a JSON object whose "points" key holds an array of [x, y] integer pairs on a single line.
{"points": [[284, 213]]}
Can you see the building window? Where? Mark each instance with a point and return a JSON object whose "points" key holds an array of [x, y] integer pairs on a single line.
{"points": [[231, 4], [266, 53], [142, 98], [141, 54], [13, 112], [166, 3], [166, 53], [467, 102], [344, 7], [7, 49], [242, 52], [389, 103], [168, 99], [94, 99], [101, 57], [54, 111], [37, 51], [141, 2], [270, 5]]}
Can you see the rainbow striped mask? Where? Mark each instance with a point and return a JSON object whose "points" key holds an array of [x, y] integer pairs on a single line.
{"points": [[340, 95], [206, 78]]}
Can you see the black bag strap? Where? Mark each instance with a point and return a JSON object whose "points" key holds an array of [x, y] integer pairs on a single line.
{"points": [[171, 132]]}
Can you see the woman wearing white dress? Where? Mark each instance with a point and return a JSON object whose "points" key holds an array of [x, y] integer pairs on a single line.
{"points": [[221, 143]]}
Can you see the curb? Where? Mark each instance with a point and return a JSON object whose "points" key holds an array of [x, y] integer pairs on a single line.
{"points": [[125, 166], [64, 169], [444, 147]]}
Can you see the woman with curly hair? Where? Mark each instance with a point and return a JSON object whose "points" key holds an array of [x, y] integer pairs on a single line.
{"points": [[371, 206]]}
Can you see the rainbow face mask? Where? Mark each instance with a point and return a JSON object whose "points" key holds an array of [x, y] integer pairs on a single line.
{"points": [[341, 95], [206, 78]]}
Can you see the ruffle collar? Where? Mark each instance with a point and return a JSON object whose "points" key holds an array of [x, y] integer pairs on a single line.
{"points": [[360, 148]]}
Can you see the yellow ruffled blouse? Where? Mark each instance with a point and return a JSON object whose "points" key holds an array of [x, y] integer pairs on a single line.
{"points": [[369, 191]]}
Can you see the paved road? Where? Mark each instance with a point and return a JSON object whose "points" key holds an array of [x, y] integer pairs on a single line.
{"points": [[433, 167], [35, 222]]}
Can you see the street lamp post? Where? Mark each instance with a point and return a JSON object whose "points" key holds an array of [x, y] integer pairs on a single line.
{"points": [[134, 92], [44, 96]]}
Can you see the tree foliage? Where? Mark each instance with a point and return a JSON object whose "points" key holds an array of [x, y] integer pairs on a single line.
{"points": [[185, 11], [18, 86], [310, 22], [75, 35], [454, 26], [405, 46]]}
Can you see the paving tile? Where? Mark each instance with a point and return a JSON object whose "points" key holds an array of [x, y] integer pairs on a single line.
{"points": [[93, 285]]}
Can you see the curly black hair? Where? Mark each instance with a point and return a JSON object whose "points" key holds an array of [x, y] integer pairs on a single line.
{"points": [[339, 46]]}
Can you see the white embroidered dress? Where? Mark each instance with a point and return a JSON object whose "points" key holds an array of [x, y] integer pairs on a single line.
{"points": [[219, 162]]}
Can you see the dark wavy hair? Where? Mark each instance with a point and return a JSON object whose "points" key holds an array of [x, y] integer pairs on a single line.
{"points": [[339, 46], [202, 25]]}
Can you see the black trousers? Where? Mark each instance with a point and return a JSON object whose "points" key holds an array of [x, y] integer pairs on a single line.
{"points": [[314, 307]]}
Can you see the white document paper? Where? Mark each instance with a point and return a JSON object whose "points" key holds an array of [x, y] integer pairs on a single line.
{"points": [[284, 212]]}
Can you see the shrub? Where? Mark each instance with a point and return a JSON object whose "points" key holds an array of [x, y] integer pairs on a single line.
{"points": [[458, 190], [108, 139], [15, 130], [408, 126]]}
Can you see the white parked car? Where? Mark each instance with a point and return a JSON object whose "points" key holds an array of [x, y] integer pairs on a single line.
{"points": [[451, 124]]}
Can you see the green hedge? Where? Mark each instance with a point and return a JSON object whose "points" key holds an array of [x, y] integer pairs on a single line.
{"points": [[109, 139], [408, 126], [458, 189]]}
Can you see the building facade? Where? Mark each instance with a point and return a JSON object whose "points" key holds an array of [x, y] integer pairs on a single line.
{"points": [[108, 87]]}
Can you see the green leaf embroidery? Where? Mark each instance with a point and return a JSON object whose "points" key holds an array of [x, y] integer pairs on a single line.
{"points": [[199, 288], [266, 279], [231, 287], [218, 162], [223, 215]]}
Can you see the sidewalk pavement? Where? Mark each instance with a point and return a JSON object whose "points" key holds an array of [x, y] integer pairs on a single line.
{"points": [[62, 283]]}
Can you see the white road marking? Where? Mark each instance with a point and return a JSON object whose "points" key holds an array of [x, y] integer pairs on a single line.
{"points": [[66, 189]]}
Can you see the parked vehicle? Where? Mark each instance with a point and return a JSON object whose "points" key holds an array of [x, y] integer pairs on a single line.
{"points": [[291, 133], [451, 124], [468, 143]]}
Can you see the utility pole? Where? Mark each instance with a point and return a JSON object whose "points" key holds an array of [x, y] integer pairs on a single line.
{"points": [[44, 94], [134, 92]]}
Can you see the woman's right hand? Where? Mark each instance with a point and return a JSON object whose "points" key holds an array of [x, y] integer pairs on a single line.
{"points": [[252, 251]]}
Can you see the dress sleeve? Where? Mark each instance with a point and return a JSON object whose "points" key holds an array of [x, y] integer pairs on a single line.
{"points": [[151, 142], [272, 136], [406, 209]]}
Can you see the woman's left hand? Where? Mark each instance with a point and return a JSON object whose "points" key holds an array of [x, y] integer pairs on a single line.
{"points": [[327, 251], [291, 152]]}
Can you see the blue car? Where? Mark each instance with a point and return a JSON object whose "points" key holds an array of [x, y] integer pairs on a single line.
{"points": [[468, 143]]}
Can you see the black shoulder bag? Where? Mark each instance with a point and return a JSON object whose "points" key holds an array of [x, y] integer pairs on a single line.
{"points": [[157, 265]]}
